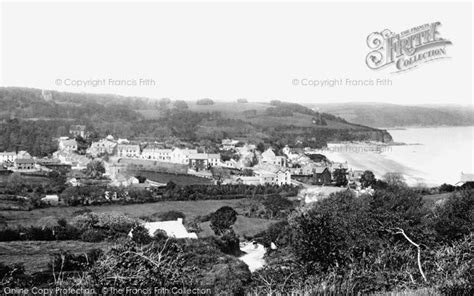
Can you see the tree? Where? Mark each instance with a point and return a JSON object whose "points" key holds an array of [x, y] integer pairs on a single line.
{"points": [[446, 188], [16, 183], [223, 219], [180, 105], [340, 178], [164, 102], [95, 169], [367, 179], [205, 102], [242, 101], [277, 206], [395, 180]]}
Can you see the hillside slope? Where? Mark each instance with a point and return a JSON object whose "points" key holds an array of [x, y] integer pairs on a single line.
{"points": [[31, 118], [391, 115]]}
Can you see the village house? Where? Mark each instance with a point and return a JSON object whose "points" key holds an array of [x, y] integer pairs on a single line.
{"points": [[24, 164], [283, 177], [204, 160], [276, 177], [67, 145], [103, 146], [52, 199], [269, 157], [78, 130], [322, 176], [156, 152], [305, 170], [8, 157], [128, 150], [181, 156], [231, 163], [292, 153], [174, 228], [229, 144]]}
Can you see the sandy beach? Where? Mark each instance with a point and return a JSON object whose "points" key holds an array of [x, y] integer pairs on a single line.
{"points": [[379, 164]]}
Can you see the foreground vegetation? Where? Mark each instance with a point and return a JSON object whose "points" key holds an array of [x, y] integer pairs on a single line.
{"points": [[387, 241]]}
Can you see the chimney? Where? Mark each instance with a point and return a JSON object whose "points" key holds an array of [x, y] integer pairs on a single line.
{"points": [[180, 220]]}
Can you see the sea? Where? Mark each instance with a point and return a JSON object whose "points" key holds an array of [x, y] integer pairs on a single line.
{"points": [[433, 155]]}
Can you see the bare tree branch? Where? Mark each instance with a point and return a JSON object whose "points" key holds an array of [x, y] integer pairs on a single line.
{"points": [[402, 232]]}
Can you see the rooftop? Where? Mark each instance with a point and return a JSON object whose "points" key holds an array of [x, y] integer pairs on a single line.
{"points": [[173, 228]]}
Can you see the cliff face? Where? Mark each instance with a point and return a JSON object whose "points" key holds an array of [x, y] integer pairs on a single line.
{"points": [[373, 135]]}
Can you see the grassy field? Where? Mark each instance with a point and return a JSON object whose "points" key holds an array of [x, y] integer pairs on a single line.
{"points": [[36, 255], [190, 208], [244, 226]]}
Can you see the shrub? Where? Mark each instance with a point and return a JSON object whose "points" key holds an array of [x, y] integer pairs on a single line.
{"points": [[112, 225], [446, 188], [66, 261], [455, 219], [223, 219], [93, 235], [39, 233], [171, 215], [229, 243], [140, 235]]}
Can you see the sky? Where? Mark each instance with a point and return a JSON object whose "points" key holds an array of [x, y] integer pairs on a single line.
{"points": [[224, 51]]}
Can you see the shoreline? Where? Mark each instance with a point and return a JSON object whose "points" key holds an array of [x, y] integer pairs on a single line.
{"points": [[380, 164]]}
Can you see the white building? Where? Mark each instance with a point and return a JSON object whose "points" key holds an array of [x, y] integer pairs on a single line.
{"points": [[7, 157], [128, 150], [174, 229], [103, 146], [229, 144], [155, 152], [67, 145], [181, 156], [78, 130], [269, 157], [279, 177], [204, 160]]}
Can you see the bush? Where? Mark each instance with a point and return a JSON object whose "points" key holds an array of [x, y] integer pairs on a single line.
{"points": [[111, 225], [93, 235], [454, 219], [140, 235], [171, 216], [229, 243], [223, 219], [64, 261], [10, 234], [446, 188]]}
